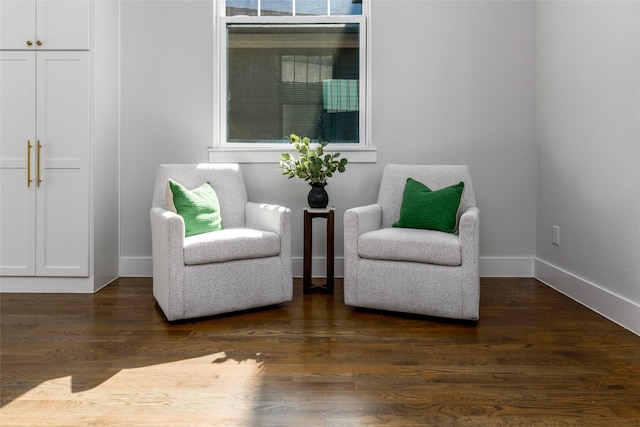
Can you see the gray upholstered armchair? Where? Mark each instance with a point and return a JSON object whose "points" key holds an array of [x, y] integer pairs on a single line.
{"points": [[413, 270], [246, 264]]}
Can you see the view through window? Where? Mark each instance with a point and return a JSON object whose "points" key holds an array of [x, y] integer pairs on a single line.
{"points": [[293, 66]]}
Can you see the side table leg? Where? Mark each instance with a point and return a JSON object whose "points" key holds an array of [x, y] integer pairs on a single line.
{"points": [[308, 236], [330, 253]]}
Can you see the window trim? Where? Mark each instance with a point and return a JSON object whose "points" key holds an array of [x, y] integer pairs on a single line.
{"points": [[224, 151]]}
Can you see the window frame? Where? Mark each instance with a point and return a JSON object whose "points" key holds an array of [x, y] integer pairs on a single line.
{"points": [[263, 152]]}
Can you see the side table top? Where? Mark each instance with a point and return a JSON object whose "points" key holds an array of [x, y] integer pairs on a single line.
{"points": [[319, 210]]}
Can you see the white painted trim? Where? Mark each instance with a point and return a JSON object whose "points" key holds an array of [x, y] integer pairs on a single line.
{"points": [[272, 155], [506, 266], [53, 285], [224, 152], [614, 307], [136, 266], [318, 267]]}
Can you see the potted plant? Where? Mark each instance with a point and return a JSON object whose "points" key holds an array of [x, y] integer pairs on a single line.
{"points": [[313, 165]]}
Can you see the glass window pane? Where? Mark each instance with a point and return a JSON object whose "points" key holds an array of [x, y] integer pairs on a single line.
{"points": [[313, 69], [242, 7], [346, 7], [285, 7], [288, 69], [277, 8], [311, 7], [301, 79]]}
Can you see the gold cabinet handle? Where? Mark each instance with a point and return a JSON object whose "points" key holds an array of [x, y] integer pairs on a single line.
{"points": [[29, 43], [29, 163], [38, 180], [39, 43]]}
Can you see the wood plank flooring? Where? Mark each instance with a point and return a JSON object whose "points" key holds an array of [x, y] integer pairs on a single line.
{"points": [[534, 358]]}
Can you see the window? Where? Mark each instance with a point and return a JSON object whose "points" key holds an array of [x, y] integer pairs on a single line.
{"points": [[289, 66]]}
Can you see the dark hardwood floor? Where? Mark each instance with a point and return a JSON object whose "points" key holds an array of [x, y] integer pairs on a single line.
{"points": [[535, 357]]}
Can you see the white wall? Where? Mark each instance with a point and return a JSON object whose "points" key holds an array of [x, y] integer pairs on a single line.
{"points": [[166, 107], [588, 57], [454, 82], [541, 99], [105, 153], [460, 90]]}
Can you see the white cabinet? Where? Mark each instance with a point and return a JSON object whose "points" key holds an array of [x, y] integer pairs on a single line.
{"points": [[44, 163], [45, 24], [17, 137], [59, 145]]}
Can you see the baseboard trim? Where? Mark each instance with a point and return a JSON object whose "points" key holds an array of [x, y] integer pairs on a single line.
{"points": [[136, 266], [506, 266], [593, 296], [618, 309], [47, 285], [489, 266]]}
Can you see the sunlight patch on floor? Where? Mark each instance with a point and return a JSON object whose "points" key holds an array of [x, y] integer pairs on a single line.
{"points": [[208, 390]]}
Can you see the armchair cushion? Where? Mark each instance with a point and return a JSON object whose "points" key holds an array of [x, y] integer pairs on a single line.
{"points": [[199, 207], [230, 244], [432, 210], [402, 244]]}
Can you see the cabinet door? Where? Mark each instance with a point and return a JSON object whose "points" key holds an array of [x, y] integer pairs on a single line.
{"points": [[45, 24], [17, 185], [17, 24], [63, 198], [63, 24]]}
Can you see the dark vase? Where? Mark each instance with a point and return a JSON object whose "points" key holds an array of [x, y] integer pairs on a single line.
{"points": [[318, 197]]}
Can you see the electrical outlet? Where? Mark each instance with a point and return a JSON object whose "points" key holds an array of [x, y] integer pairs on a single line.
{"points": [[556, 235]]}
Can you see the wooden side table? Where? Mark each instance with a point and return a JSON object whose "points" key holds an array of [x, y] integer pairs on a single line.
{"points": [[309, 214]]}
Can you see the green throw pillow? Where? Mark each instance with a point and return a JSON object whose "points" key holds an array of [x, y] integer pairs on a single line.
{"points": [[433, 210], [199, 208]]}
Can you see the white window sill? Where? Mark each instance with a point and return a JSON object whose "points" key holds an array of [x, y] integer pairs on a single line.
{"points": [[272, 154]]}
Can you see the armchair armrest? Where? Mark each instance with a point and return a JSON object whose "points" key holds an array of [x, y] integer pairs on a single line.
{"points": [[267, 217], [363, 218], [274, 218], [357, 220], [167, 229], [167, 242], [470, 236], [470, 244]]}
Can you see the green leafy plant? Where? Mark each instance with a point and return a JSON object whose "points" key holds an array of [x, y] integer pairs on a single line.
{"points": [[313, 164]]}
